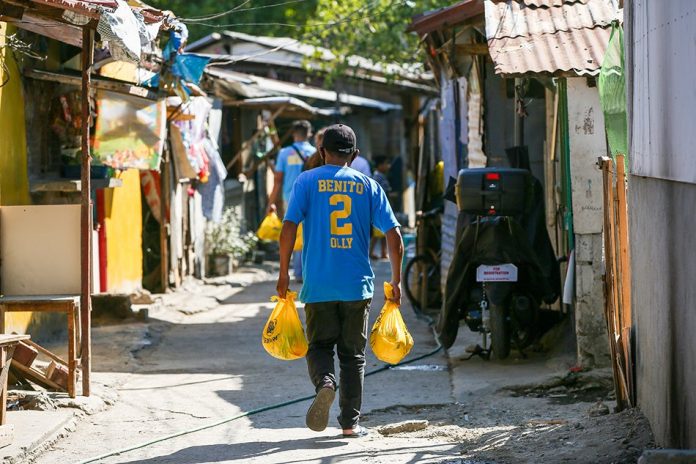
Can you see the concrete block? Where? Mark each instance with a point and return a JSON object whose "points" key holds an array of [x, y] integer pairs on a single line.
{"points": [[588, 248], [668, 456]]}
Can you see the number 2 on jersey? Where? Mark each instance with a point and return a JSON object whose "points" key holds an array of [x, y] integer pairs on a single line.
{"points": [[340, 214]]}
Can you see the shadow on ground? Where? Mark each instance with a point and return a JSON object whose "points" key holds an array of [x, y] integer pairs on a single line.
{"points": [[246, 451]]}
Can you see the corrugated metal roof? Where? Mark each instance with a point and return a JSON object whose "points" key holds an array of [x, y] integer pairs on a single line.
{"points": [[276, 87], [548, 36], [516, 19], [580, 51]]}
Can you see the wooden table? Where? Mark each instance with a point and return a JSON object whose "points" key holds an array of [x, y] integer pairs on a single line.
{"points": [[68, 304], [7, 346]]}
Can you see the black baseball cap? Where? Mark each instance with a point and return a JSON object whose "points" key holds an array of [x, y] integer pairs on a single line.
{"points": [[339, 138]]}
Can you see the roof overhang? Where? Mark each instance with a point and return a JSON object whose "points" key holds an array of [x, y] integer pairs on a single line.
{"points": [[250, 84], [97, 82], [446, 17], [290, 107], [63, 20]]}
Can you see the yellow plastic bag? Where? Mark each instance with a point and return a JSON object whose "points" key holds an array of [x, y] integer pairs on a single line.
{"points": [[390, 339], [377, 233], [270, 228], [283, 336], [299, 241]]}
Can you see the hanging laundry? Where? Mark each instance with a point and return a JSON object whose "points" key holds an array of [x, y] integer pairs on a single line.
{"points": [[120, 29]]}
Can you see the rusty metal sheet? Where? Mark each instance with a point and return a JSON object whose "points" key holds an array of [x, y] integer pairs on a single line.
{"points": [[579, 51], [548, 36], [515, 18]]}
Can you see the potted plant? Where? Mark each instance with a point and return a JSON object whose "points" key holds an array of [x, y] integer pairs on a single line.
{"points": [[226, 244]]}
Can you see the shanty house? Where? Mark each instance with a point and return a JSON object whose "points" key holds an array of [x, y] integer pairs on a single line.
{"points": [[521, 73]]}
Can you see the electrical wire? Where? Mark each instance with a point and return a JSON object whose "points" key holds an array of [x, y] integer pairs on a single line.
{"points": [[345, 19], [217, 15], [236, 9], [303, 37], [252, 412]]}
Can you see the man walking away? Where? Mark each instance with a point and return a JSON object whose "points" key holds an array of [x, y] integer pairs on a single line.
{"points": [[339, 206], [291, 161]]}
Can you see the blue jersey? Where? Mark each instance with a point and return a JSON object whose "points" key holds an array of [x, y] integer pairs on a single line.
{"points": [[339, 207], [291, 164]]}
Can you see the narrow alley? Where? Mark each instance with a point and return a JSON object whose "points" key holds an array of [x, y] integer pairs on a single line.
{"points": [[518, 174]]}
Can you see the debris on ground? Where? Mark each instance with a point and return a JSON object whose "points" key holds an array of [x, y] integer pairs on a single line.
{"points": [[498, 429], [571, 387], [31, 401], [403, 427], [142, 297], [598, 409]]}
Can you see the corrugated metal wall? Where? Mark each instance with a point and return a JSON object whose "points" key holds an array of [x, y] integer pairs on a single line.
{"points": [[663, 135], [662, 191]]}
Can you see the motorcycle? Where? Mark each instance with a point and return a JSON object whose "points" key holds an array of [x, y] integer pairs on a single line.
{"points": [[504, 266]]}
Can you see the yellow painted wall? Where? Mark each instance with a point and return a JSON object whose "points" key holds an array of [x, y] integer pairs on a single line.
{"points": [[14, 183], [124, 218], [124, 234]]}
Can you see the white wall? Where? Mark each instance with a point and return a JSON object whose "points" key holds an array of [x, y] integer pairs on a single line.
{"points": [[587, 143]]}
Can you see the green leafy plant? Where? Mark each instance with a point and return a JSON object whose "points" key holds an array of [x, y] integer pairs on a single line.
{"points": [[226, 238]]}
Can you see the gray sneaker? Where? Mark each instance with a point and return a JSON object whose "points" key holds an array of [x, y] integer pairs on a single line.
{"points": [[318, 412]]}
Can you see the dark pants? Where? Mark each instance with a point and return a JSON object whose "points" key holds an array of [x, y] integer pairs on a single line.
{"points": [[340, 324]]}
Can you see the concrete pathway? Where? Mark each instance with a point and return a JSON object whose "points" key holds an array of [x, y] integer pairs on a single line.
{"points": [[210, 365]]}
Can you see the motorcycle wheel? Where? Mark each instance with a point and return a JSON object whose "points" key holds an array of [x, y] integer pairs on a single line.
{"points": [[500, 332]]}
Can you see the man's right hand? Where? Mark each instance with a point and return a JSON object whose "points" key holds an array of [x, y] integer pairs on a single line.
{"points": [[272, 208], [396, 288], [283, 284]]}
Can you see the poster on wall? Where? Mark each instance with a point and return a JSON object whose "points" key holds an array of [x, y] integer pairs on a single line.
{"points": [[130, 131]]}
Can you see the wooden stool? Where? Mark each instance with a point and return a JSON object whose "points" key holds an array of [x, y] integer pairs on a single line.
{"points": [[69, 305], [7, 347]]}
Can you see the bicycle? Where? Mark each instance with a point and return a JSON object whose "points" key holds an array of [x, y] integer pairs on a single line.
{"points": [[422, 274]]}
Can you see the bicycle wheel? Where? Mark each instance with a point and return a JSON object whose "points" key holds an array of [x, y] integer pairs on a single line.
{"points": [[417, 273]]}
